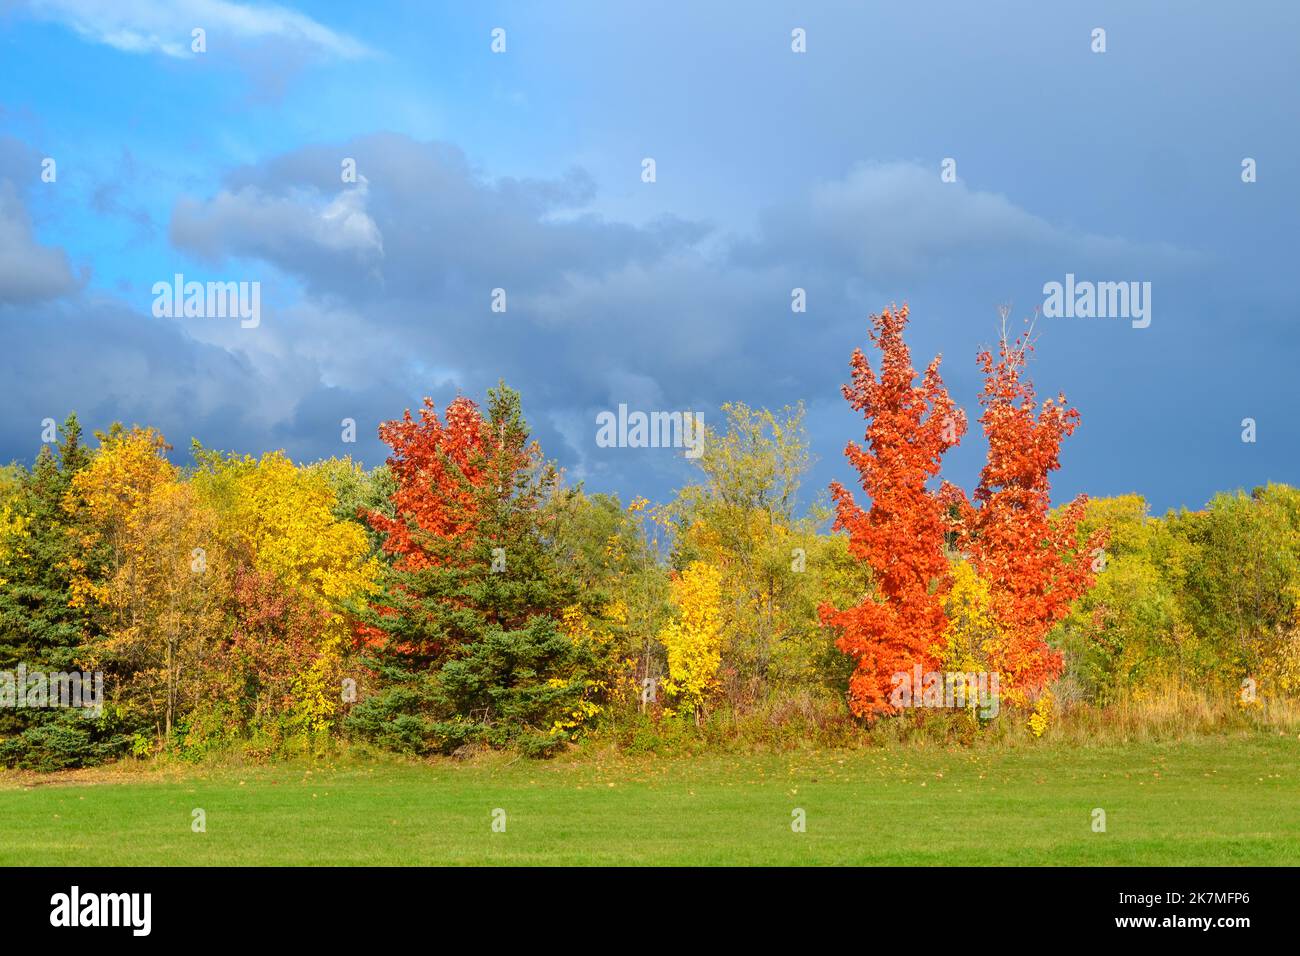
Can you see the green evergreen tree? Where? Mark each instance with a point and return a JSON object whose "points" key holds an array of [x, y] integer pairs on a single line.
{"points": [[38, 626]]}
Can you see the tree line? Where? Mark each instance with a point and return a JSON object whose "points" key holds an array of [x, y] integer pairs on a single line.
{"points": [[462, 595]]}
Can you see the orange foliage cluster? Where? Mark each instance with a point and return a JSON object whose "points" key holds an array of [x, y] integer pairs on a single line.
{"points": [[1028, 556], [437, 467], [900, 537]]}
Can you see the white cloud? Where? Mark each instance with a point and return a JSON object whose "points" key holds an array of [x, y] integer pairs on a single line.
{"points": [[272, 225], [163, 26]]}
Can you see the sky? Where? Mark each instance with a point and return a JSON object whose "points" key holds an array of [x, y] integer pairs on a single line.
{"points": [[775, 168]]}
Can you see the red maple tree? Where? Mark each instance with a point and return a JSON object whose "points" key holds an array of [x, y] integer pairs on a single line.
{"points": [[1030, 558], [437, 467], [901, 536]]}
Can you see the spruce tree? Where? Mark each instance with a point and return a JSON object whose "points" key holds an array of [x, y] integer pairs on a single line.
{"points": [[39, 626]]}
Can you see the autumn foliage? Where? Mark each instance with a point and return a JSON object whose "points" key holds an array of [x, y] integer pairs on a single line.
{"points": [[438, 465], [910, 425], [1029, 557], [693, 639], [460, 596], [470, 632], [1020, 565]]}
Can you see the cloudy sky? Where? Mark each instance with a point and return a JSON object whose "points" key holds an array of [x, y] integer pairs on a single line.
{"points": [[522, 170]]}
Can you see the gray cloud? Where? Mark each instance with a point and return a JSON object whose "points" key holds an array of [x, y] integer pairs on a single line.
{"points": [[308, 229], [424, 225], [900, 220], [29, 271], [378, 293], [666, 315]]}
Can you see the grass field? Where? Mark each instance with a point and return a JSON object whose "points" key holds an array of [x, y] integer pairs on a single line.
{"points": [[1234, 800]]}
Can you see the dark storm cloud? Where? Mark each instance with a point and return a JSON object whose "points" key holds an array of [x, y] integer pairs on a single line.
{"points": [[398, 271], [110, 363]]}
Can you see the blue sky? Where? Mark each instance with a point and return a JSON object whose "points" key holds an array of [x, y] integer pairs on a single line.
{"points": [[775, 169]]}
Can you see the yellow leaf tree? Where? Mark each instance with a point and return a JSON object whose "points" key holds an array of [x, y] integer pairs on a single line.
{"points": [[693, 641], [282, 517], [971, 626], [144, 573]]}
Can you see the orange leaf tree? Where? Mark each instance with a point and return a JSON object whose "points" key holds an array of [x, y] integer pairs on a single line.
{"points": [[1030, 556], [438, 465], [901, 536]]}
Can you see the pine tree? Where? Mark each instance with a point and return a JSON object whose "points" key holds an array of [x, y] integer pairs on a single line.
{"points": [[39, 626]]}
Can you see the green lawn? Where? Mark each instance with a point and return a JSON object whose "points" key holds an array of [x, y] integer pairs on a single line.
{"points": [[1234, 800]]}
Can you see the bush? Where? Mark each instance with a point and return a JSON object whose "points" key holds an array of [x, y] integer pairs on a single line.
{"points": [[64, 741]]}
